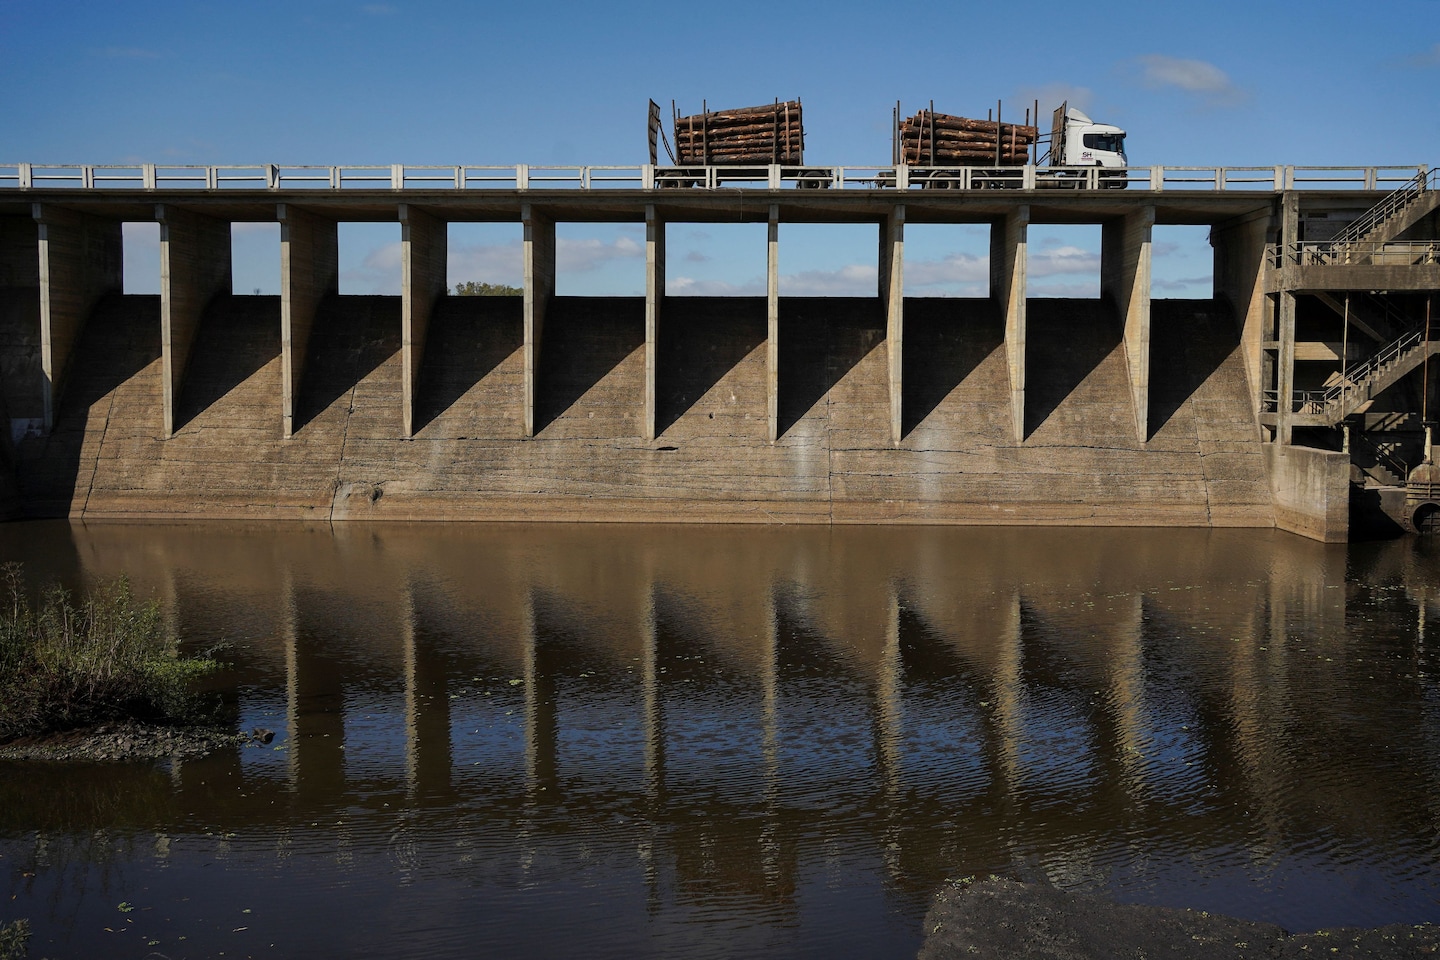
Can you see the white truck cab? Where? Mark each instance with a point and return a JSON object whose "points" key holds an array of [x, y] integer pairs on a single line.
{"points": [[1078, 141]]}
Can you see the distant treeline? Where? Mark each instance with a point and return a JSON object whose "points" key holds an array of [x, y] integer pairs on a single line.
{"points": [[472, 288]]}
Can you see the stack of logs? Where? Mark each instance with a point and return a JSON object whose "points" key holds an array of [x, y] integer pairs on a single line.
{"points": [[760, 135], [940, 140]]}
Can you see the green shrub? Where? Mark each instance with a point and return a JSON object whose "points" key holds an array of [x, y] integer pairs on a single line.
{"points": [[67, 663], [13, 939]]}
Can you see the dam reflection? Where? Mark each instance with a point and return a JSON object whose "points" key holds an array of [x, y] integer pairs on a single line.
{"points": [[724, 706]]}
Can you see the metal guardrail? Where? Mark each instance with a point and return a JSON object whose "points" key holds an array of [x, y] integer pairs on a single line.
{"points": [[149, 176], [1318, 253], [1398, 200], [1324, 401]]}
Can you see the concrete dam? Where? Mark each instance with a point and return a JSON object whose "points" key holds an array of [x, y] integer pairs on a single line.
{"points": [[888, 409]]}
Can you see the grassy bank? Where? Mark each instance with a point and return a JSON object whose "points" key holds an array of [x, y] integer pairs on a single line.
{"points": [[69, 662]]}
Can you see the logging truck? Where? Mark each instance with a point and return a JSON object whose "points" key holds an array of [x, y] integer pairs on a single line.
{"points": [[937, 150]]}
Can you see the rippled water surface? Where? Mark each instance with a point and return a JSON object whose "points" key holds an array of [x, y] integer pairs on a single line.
{"points": [[560, 741]]}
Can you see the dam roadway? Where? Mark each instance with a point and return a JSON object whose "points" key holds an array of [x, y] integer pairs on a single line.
{"points": [[886, 409]]}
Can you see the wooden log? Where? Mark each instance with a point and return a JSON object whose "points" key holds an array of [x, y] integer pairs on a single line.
{"points": [[939, 121], [963, 136], [768, 108], [743, 159], [720, 136]]}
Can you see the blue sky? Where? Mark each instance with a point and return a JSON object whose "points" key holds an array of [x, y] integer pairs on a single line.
{"points": [[420, 82]]}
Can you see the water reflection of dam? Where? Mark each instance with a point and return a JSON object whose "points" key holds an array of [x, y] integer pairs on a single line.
{"points": [[947, 694]]}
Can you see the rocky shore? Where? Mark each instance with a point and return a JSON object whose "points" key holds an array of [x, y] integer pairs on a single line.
{"points": [[126, 740], [1010, 920]]}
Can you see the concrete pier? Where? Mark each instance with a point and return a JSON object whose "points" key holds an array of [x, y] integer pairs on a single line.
{"points": [[1008, 258], [1125, 281], [309, 272], [891, 275], [80, 262], [422, 283], [539, 273], [654, 298], [194, 270]]}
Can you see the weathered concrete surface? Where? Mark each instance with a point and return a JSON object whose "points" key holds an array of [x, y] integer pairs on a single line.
{"points": [[835, 459], [1311, 490], [1026, 921], [80, 262]]}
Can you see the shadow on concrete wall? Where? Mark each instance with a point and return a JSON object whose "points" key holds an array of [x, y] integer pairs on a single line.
{"points": [[945, 340], [353, 335], [1189, 340], [238, 336], [121, 339], [585, 339], [701, 340], [821, 340], [1065, 340], [468, 338]]}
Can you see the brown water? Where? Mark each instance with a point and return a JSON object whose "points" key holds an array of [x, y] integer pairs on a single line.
{"points": [[559, 741]]}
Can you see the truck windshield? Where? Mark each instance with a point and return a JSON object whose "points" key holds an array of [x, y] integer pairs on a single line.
{"points": [[1110, 142]]}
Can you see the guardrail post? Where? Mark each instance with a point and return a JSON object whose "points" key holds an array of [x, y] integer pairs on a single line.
{"points": [[26, 177], [1279, 178], [902, 176], [272, 176], [212, 178], [87, 176], [647, 177], [1157, 179], [459, 178], [522, 176], [1369, 178], [336, 178], [773, 179], [397, 176], [1027, 177], [147, 174]]}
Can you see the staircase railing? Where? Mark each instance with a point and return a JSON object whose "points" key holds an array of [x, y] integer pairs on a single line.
{"points": [[1395, 201], [1333, 398], [1383, 458]]}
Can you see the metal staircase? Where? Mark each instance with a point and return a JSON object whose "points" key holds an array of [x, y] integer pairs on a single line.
{"points": [[1365, 381], [1397, 212]]}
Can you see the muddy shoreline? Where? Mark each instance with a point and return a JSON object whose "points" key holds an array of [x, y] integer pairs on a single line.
{"points": [[123, 741], [1008, 919]]}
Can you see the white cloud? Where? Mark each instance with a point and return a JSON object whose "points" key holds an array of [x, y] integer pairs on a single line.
{"points": [[1065, 290], [590, 253], [1062, 260], [1430, 58], [1182, 283], [1197, 77], [487, 263], [851, 280], [378, 273], [953, 268], [691, 287], [504, 262]]}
